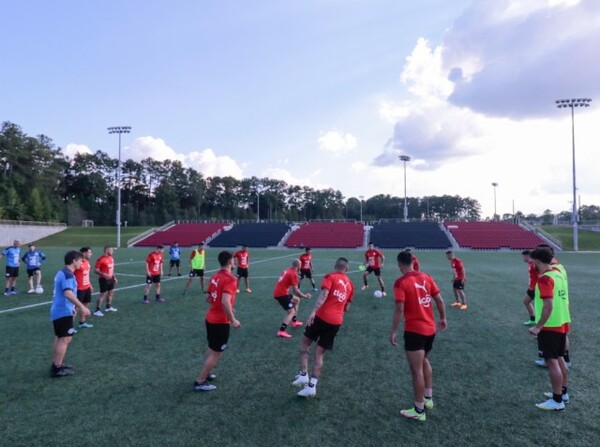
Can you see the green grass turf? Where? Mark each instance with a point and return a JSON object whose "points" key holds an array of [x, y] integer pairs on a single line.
{"points": [[587, 240], [90, 236], [135, 368]]}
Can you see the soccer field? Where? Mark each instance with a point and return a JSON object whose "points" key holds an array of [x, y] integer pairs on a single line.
{"points": [[136, 367]]}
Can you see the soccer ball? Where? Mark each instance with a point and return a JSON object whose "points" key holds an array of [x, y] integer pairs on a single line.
{"points": [[39, 290], [377, 294]]}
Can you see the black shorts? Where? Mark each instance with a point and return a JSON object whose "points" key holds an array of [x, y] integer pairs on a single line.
{"points": [[458, 284], [377, 270], [322, 332], [242, 272], [285, 301], [305, 273], [106, 284], [196, 272], [530, 293], [154, 279], [217, 335], [174, 262], [418, 342], [63, 327], [12, 272], [551, 344], [85, 296], [31, 272]]}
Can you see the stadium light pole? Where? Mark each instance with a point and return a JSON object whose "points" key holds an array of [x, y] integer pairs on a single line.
{"points": [[361, 200], [119, 130], [495, 185], [404, 159], [572, 103]]}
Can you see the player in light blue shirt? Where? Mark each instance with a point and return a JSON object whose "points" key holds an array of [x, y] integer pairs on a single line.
{"points": [[62, 311], [34, 259], [175, 258], [13, 255]]}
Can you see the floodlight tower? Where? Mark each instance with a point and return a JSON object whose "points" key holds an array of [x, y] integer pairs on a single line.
{"points": [[119, 130], [572, 103], [495, 185], [404, 159]]}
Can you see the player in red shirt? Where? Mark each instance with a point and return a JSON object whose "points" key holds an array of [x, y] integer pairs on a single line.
{"points": [[414, 294], [289, 301], [323, 324], [154, 270], [219, 317], [530, 293], [105, 269], [84, 285], [306, 267], [415, 265], [242, 259], [458, 281], [373, 263]]}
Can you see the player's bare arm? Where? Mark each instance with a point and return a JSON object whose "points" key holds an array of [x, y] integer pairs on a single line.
{"points": [[396, 319]]}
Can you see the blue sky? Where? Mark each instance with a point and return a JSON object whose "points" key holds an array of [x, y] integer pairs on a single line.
{"points": [[325, 93]]}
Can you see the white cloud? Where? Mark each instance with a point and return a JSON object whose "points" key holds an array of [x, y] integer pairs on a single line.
{"points": [[72, 149], [207, 161], [290, 179], [338, 143]]}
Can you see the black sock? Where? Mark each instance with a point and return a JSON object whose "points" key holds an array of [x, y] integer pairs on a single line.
{"points": [[419, 410], [557, 398], [428, 397], [158, 296], [145, 297], [532, 318], [564, 390], [12, 289], [294, 318], [282, 327], [566, 356]]}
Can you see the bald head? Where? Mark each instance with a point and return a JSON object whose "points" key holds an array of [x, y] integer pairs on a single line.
{"points": [[341, 265], [296, 263]]}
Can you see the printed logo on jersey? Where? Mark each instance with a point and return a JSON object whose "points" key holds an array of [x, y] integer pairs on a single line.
{"points": [[424, 301], [341, 296]]}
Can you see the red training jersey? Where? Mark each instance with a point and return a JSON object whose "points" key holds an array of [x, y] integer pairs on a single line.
{"points": [[154, 263], [222, 282], [459, 269], [306, 261], [287, 279], [82, 275], [533, 276], [106, 265], [546, 286], [416, 290], [415, 263], [242, 258], [340, 294], [372, 258]]}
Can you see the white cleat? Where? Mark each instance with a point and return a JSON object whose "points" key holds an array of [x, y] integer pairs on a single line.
{"points": [[565, 397], [551, 405], [301, 380], [308, 391]]}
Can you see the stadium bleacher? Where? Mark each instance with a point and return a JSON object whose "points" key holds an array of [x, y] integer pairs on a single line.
{"points": [[492, 235], [252, 234], [187, 234], [327, 235], [421, 235]]}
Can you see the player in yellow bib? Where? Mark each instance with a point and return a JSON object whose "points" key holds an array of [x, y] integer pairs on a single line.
{"points": [[197, 260]]}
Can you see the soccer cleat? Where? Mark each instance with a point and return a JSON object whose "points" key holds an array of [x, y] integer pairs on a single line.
{"points": [[301, 380], [160, 300], [211, 377], [178, 274], [464, 307], [308, 391], [568, 364], [565, 397], [315, 289], [248, 291], [85, 325], [145, 302], [14, 292], [364, 287], [98, 313], [110, 309], [204, 386], [297, 323], [541, 363], [529, 323], [551, 405], [383, 293], [7, 293], [455, 304], [429, 403], [237, 290], [283, 334], [30, 291], [413, 414], [61, 371]]}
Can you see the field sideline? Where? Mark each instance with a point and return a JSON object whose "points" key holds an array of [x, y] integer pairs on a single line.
{"points": [[135, 368]]}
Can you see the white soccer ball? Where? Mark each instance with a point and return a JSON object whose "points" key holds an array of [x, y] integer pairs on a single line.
{"points": [[39, 290], [377, 294]]}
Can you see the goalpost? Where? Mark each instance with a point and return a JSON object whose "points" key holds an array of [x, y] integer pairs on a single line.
{"points": [[87, 223]]}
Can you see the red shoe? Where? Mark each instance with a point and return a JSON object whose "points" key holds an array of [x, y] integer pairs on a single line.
{"points": [[283, 334], [297, 323]]}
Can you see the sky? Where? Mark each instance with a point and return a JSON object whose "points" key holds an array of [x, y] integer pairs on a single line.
{"points": [[324, 93]]}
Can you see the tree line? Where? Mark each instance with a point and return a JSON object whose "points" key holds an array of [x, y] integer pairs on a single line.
{"points": [[39, 182]]}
